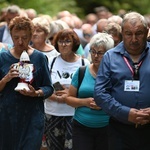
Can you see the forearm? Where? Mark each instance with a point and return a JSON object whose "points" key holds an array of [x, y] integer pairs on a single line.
{"points": [[76, 102], [58, 98]]}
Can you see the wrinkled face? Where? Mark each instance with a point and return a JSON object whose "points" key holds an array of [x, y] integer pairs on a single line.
{"points": [[134, 37], [21, 39], [97, 53], [65, 46], [39, 35]]}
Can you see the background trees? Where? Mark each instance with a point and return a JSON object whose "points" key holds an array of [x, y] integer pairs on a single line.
{"points": [[79, 7]]}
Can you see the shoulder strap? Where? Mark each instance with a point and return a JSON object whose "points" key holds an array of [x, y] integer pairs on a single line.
{"points": [[81, 75], [53, 62], [83, 63]]}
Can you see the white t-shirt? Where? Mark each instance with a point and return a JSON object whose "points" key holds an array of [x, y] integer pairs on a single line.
{"points": [[62, 71], [51, 53]]}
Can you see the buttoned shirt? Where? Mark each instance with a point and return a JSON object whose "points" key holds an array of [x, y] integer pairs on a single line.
{"points": [[112, 74]]}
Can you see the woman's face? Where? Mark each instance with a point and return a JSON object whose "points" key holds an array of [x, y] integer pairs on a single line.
{"points": [[39, 35], [97, 53], [65, 46], [21, 39]]}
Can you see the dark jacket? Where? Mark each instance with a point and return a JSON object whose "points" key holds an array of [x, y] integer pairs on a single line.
{"points": [[2, 32]]}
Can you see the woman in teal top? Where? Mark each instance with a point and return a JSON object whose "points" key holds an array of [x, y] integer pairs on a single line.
{"points": [[90, 121]]}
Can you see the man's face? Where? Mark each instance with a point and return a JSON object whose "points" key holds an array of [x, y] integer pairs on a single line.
{"points": [[134, 37]]}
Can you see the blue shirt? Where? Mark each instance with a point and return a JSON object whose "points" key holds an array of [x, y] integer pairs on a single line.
{"points": [[85, 115], [109, 88]]}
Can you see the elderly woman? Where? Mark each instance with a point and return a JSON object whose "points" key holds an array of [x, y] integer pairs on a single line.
{"points": [[40, 37], [90, 121], [58, 113], [22, 111], [115, 30]]}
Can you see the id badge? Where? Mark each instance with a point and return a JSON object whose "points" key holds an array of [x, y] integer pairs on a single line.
{"points": [[132, 85]]}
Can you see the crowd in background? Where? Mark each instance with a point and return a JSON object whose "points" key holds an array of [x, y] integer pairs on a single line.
{"points": [[50, 34], [85, 28]]}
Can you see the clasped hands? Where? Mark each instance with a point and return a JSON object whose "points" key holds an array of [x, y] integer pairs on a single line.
{"points": [[61, 95], [141, 116]]}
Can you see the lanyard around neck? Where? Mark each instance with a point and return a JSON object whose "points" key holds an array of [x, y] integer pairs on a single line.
{"points": [[135, 70]]}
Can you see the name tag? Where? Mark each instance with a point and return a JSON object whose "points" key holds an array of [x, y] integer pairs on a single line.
{"points": [[132, 85]]}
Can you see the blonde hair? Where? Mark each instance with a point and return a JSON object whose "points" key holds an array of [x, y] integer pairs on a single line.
{"points": [[42, 23]]}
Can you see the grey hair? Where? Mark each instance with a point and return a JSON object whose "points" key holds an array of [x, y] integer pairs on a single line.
{"points": [[102, 39], [56, 26], [13, 9], [133, 17]]}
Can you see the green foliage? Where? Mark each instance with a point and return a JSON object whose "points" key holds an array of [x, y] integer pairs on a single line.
{"points": [[50, 7], [79, 7], [141, 6]]}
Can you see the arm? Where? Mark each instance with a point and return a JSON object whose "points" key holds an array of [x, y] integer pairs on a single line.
{"points": [[104, 88], [73, 101], [59, 96], [10, 75], [72, 98]]}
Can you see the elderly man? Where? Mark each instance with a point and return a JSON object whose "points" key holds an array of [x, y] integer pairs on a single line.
{"points": [[122, 87]]}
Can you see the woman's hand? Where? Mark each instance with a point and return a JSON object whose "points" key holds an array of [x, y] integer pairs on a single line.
{"points": [[13, 73], [32, 92], [61, 95], [91, 103]]}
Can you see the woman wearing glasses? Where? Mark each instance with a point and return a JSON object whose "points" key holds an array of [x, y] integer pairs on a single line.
{"points": [[58, 114], [89, 121]]}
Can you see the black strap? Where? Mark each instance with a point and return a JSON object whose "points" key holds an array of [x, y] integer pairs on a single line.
{"points": [[81, 75], [83, 63], [53, 62]]}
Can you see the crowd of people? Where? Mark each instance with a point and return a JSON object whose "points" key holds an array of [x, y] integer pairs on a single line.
{"points": [[90, 86]]}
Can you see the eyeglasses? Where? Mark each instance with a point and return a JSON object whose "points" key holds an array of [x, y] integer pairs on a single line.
{"points": [[67, 42], [93, 52]]}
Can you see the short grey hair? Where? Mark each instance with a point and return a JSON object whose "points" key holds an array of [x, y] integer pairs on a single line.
{"points": [[13, 9], [133, 17], [56, 26], [102, 39]]}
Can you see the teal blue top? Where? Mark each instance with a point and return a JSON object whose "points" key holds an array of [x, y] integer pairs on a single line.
{"points": [[85, 115], [5, 48], [80, 51]]}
